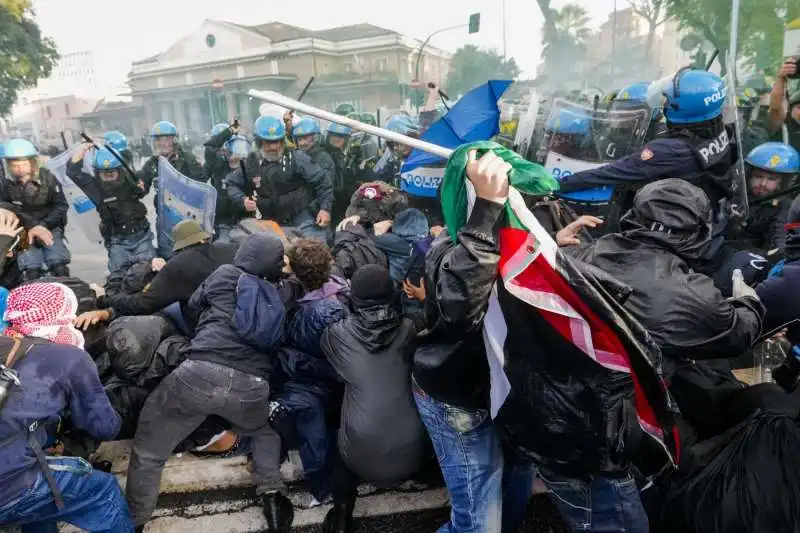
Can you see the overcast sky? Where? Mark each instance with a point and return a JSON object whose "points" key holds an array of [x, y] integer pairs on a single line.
{"points": [[133, 30]]}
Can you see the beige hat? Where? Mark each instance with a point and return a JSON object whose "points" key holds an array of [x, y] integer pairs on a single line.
{"points": [[187, 233]]}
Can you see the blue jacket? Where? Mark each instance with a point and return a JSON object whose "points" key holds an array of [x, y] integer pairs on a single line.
{"points": [[211, 310], [55, 378], [302, 360]]}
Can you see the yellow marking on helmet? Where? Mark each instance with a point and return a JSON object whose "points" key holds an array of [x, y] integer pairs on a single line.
{"points": [[106, 163], [273, 129], [774, 161], [158, 129]]}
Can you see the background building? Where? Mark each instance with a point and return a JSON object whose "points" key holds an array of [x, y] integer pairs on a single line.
{"points": [[204, 78]]}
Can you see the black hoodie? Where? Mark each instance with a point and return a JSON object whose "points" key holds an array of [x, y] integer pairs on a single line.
{"points": [[212, 307]]}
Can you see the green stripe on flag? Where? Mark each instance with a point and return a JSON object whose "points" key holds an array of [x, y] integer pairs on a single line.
{"points": [[525, 176]]}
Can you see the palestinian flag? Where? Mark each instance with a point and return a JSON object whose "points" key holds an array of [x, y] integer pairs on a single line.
{"points": [[552, 327]]}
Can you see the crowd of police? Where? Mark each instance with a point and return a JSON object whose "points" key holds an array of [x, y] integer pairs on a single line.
{"points": [[330, 312]]}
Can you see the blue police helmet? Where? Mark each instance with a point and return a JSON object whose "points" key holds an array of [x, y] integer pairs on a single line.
{"points": [[775, 157], [306, 126], [238, 146], [339, 129], [694, 96], [219, 128], [403, 124], [116, 140], [636, 92], [571, 122], [269, 129], [19, 149], [105, 160], [164, 129]]}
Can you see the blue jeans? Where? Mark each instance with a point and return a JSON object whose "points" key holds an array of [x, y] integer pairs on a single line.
{"points": [[604, 504], [93, 501], [307, 226], [222, 233], [41, 257], [488, 493], [124, 251]]}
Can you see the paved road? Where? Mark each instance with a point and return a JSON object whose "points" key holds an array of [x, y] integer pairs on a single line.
{"points": [[89, 259]]}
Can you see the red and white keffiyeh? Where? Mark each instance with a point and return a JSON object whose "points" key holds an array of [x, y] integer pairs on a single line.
{"points": [[44, 310]]}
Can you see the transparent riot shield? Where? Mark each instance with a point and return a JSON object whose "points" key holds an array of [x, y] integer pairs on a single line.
{"points": [[181, 198], [740, 204], [83, 213], [578, 138]]}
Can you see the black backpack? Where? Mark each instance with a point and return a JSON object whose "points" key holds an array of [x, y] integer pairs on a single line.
{"points": [[87, 299], [353, 249]]}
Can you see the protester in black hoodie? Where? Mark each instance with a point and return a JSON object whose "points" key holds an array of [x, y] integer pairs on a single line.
{"points": [[381, 437], [194, 260], [237, 320]]}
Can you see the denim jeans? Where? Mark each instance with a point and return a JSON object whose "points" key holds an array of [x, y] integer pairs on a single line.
{"points": [[306, 224], [180, 403], [488, 493], [222, 233], [602, 505], [93, 501], [124, 251], [41, 257]]}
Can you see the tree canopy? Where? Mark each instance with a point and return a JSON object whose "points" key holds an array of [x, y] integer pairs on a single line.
{"points": [[472, 66], [25, 56]]}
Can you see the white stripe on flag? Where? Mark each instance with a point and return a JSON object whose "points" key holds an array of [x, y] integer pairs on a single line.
{"points": [[495, 332]]}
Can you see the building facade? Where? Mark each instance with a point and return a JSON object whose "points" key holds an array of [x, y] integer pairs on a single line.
{"points": [[203, 79]]}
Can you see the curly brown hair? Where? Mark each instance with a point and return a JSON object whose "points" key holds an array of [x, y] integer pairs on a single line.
{"points": [[310, 261]]}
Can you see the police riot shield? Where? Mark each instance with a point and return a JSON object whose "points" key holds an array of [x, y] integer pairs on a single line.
{"points": [[578, 138], [181, 198], [82, 212], [740, 204]]}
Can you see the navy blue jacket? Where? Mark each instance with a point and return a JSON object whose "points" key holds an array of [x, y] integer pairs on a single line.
{"points": [[212, 307], [55, 378], [777, 295]]}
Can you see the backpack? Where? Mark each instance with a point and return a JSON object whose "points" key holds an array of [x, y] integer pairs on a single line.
{"points": [[260, 314], [87, 298], [356, 250]]}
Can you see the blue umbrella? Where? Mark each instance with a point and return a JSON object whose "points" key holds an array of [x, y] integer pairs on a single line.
{"points": [[475, 117]]}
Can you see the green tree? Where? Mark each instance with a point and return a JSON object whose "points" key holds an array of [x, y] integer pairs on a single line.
{"points": [[25, 56], [760, 26], [564, 35], [472, 66]]}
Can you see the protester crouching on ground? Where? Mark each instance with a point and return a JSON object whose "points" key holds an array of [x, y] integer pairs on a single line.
{"points": [[235, 317], [381, 438], [55, 374]]}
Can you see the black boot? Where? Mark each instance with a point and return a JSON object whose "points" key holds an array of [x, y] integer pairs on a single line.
{"points": [[139, 529], [339, 519], [31, 274], [59, 271], [278, 512]]}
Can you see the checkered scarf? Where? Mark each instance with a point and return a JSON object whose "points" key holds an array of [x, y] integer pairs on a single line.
{"points": [[44, 310]]}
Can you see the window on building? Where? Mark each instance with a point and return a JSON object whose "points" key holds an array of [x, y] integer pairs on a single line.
{"points": [[49, 112], [66, 110], [381, 64], [188, 78], [273, 66], [348, 67], [160, 82], [239, 71]]}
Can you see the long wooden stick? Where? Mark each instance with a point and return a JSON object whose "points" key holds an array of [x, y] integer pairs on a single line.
{"points": [[289, 103]]}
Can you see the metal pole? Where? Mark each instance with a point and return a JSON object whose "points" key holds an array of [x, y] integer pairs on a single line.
{"points": [[427, 40], [614, 46], [289, 103]]}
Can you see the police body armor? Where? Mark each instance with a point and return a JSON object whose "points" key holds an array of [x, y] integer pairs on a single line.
{"points": [[227, 212], [281, 195], [33, 196], [121, 212]]}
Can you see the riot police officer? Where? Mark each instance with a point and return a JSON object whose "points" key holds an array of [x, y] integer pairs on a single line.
{"points": [[119, 143], [697, 146], [36, 197], [634, 96], [771, 168], [388, 167], [283, 185], [123, 216], [164, 135], [306, 137], [346, 160], [223, 150]]}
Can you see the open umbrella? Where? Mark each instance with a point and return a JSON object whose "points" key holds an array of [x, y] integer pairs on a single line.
{"points": [[475, 117]]}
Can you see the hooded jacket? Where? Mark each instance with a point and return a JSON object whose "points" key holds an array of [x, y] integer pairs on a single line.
{"points": [[212, 307], [381, 438], [668, 228]]}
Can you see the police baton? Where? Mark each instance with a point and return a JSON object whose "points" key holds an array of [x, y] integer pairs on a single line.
{"points": [[131, 173]]}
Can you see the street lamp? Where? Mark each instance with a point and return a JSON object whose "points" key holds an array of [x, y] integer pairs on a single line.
{"points": [[474, 26]]}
